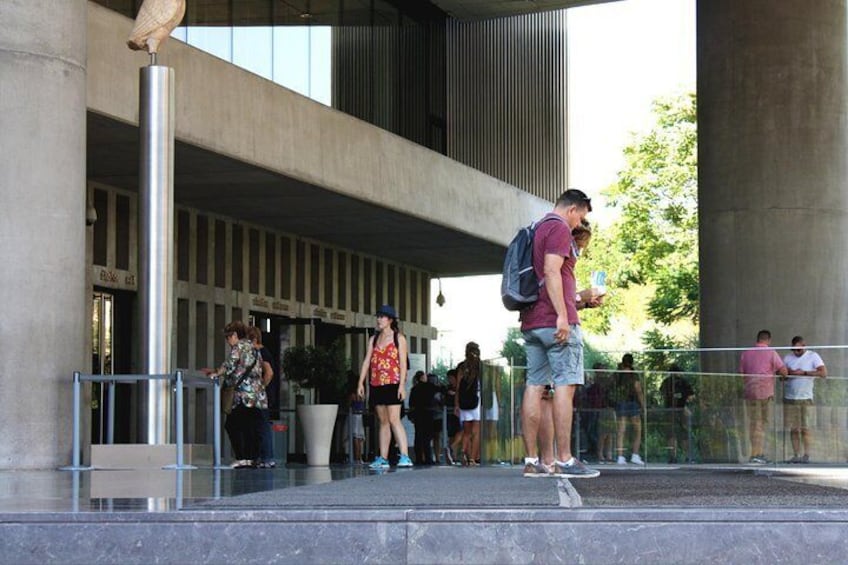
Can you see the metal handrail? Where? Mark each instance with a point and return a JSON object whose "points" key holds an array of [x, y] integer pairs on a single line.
{"points": [[179, 378]]}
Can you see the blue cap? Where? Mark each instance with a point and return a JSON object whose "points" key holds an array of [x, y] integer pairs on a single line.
{"points": [[388, 311]]}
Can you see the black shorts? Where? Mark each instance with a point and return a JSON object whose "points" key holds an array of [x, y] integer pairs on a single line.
{"points": [[385, 395]]}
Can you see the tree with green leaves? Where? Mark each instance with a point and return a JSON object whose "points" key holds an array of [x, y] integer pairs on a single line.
{"points": [[513, 348], [656, 193]]}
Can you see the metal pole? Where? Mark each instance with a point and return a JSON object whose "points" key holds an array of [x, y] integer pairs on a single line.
{"points": [[179, 401], [75, 458], [180, 465], [76, 441], [156, 241], [110, 423], [216, 424], [76, 464]]}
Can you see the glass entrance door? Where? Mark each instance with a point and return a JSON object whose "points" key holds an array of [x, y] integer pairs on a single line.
{"points": [[102, 359]]}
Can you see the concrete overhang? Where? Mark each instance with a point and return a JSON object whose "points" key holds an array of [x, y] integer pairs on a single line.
{"points": [[253, 150], [489, 9]]}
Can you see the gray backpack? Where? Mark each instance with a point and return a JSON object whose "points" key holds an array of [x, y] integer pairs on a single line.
{"points": [[520, 285]]}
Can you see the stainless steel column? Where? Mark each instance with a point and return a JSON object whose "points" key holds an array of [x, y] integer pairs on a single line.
{"points": [[156, 238]]}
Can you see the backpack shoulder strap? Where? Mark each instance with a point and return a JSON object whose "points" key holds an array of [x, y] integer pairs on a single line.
{"points": [[547, 218]]}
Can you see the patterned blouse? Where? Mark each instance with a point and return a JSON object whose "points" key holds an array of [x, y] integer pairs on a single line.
{"points": [[385, 365], [250, 392]]}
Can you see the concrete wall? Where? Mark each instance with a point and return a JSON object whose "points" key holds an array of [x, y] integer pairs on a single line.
{"points": [[42, 226], [773, 171], [238, 114]]}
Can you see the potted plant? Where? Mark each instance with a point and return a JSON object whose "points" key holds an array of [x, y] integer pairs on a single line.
{"points": [[322, 369]]}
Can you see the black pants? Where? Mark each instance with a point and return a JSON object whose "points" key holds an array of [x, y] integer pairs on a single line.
{"points": [[244, 428], [423, 440]]}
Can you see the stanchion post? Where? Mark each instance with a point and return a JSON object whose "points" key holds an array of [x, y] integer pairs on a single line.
{"points": [[216, 423], [178, 399], [110, 423], [75, 458], [179, 416], [76, 464]]}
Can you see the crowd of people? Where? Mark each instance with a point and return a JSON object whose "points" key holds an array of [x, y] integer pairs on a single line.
{"points": [[612, 407]]}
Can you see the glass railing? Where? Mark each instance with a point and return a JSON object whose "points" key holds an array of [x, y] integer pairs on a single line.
{"points": [[691, 407]]}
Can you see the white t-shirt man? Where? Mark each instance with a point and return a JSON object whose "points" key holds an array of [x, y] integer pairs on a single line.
{"points": [[797, 387]]}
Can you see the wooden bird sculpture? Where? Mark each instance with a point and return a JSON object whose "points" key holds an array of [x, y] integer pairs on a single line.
{"points": [[155, 21]]}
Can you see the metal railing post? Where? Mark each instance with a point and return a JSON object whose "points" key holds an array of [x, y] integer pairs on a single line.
{"points": [[216, 424], [179, 416], [110, 422], [179, 424], [76, 464], [76, 439]]}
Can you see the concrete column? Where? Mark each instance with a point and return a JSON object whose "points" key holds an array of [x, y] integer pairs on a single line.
{"points": [[772, 171], [42, 226]]}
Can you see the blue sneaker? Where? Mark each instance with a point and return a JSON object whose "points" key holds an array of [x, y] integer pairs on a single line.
{"points": [[379, 463], [404, 461]]}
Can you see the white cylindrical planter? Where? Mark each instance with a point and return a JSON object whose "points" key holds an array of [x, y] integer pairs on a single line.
{"points": [[318, 421]]}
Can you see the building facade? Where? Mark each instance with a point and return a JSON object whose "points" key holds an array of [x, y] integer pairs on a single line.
{"points": [[300, 207]]}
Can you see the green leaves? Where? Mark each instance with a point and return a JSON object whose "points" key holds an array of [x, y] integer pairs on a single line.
{"points": [[657, 232], [322, 368]]}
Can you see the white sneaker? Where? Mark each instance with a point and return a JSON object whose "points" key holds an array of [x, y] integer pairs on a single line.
{"points": [[636, 460], [621, 460]]}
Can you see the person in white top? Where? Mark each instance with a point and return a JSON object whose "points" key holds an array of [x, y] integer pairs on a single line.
{"points": [[803, 367]]}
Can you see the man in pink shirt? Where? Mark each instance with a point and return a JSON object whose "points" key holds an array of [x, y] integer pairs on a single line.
{"points": [[759, 365]]}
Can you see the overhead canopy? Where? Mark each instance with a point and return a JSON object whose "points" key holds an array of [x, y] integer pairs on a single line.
{"points": [[212, 182], [253, 150]]}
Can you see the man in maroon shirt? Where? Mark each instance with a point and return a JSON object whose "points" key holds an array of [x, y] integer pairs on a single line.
{"points": [[553, 339]]}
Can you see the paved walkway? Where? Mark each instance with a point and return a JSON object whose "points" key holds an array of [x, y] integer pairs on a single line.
{"points": [[504, 487]]}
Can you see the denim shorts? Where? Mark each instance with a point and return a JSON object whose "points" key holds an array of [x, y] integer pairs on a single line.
{"points": [[551, 361]]}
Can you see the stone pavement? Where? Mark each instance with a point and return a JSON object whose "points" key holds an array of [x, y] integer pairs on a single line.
{"points": [[504, 487]]}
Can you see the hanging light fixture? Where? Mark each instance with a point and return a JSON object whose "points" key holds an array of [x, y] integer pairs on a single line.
{"points": [[440, 299]]}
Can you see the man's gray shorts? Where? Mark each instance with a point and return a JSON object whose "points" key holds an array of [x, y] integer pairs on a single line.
{"points": [[551, 361]]}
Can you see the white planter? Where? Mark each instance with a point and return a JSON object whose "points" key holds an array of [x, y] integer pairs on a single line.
{"points": [[318, 421]]}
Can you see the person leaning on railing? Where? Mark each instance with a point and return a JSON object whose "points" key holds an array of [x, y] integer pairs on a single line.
{"points": [[243, 370]]}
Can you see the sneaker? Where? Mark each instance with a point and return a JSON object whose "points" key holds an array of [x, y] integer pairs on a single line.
{"points": [[805, 459], [621, 460], [379, 463], [574, 470], [758, 460], [795, 459], [535, 470], [636, 459], [404, 461]]}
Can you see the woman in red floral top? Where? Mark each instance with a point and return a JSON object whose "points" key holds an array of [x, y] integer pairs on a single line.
{"points": [[385, 360]]}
